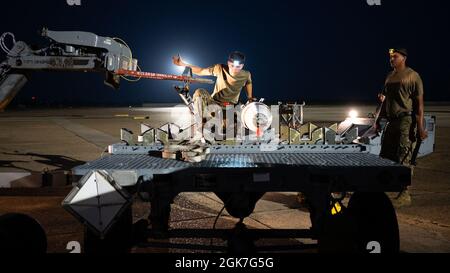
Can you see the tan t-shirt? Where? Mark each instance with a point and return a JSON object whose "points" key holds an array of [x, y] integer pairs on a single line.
{"points": [[401, 88], [228, 88]]}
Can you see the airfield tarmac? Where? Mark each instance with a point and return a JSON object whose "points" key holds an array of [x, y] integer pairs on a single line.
{"points": [[32, 140]]}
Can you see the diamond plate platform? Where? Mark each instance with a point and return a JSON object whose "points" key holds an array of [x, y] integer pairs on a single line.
{"points": [[361, 169]]}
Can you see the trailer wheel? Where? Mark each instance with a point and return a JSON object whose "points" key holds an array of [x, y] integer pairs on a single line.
{"points": [[239, 242], [21, 233], [337, 233], [376, 222], [240, 204], [117, 240]]}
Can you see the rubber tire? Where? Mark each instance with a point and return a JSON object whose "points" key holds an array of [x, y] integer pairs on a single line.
{"points": [[240, 243], [20, 233], [376, 220], [240, 204], [337, 234]]}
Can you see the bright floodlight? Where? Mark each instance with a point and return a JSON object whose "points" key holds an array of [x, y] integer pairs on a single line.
{"points": [[180, 69], [353, 114]]}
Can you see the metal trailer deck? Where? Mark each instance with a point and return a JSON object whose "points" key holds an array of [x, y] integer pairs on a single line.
{"points": [[239, 176], [350, 170]]}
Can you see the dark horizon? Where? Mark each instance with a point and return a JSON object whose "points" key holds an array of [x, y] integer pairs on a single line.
{"points": [[318, 51]]}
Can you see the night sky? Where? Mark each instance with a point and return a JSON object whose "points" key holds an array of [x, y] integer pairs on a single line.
{"points": [[304, 50]]}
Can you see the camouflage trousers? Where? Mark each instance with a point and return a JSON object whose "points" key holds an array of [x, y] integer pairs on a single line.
{"points": [[399, 140], [202, 100]]}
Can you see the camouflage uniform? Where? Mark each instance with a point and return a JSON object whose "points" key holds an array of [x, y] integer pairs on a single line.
{"points": [[202, 99], [226, 93], [399, 136], [399, 140]]}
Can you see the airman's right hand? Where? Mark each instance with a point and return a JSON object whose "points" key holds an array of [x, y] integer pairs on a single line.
{"points": [[177, 61], [381, 97], [423, 134]]}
